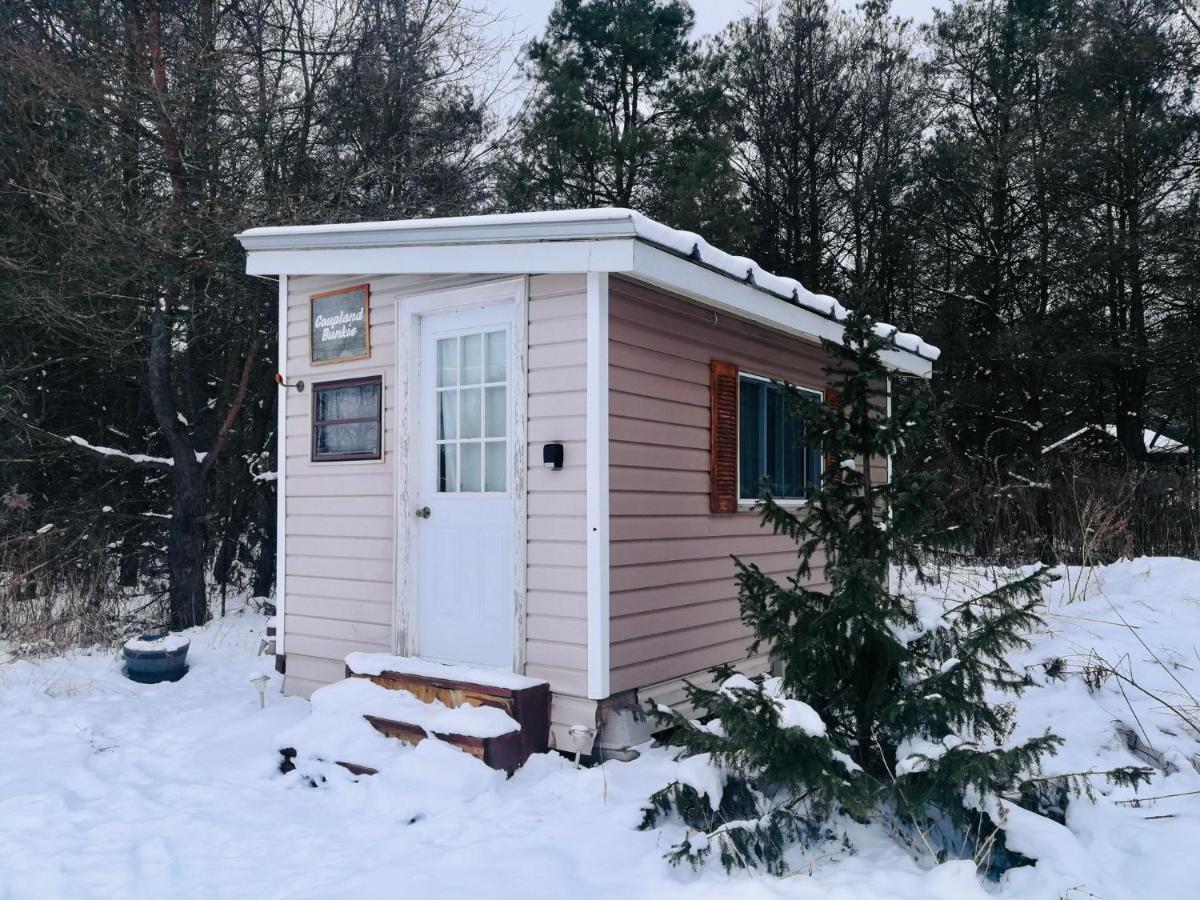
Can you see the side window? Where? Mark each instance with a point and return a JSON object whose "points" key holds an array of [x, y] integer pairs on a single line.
{"points": [[347, 419], [771, 445]]}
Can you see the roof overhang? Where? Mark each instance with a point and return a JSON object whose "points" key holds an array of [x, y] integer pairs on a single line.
{"points": [[602, 240]]}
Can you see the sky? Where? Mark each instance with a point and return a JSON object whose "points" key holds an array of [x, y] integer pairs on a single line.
{"points": [[518, 21], [711, 15]]}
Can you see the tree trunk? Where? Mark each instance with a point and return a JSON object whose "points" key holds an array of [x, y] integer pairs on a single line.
{"points": [[185, 544], [188, 604]]}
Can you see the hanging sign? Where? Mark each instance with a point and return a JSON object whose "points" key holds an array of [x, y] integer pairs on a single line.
{"points": [[340, 324]]}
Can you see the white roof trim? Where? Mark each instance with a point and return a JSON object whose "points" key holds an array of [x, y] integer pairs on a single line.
{"points": [[378, 247]]}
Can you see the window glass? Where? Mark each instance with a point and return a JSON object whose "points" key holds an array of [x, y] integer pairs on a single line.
{"points": [[447, 415], [472, 412], [346, 420], [497, 357], [470, 465], [351, 402], [497, 412], [469, 406], [448, 468], [495, 464], [447, 361], [772, 451], [751, 438], [352, 438], [472, 363]]}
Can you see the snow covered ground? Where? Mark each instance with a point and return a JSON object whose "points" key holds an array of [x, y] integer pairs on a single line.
{"points": [[110, 788]]}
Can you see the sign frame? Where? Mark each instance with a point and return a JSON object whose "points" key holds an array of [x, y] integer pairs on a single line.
{"points": [[365, 289]]}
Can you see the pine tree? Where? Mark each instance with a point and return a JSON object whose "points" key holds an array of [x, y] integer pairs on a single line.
{"points": [[625, 111], [877, 713]]}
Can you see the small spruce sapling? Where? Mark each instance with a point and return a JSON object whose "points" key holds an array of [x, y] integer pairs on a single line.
{"points": [[875, 715]]}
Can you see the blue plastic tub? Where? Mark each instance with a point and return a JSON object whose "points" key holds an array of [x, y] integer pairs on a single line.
{"points": [[156, 656]]}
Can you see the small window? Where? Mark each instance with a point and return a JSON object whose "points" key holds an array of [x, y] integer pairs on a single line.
{"points": [[772, 449], [347, 421]]}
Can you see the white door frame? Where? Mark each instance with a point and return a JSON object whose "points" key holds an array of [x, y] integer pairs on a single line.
{"points": [[409, 310]]}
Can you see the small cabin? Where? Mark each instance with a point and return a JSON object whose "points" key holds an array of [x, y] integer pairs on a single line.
{"points": [[530, 444]]}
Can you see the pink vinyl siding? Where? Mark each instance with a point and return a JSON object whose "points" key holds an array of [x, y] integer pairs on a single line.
{"points": [[556, 584], [339, 552], [673, 602], [340, 546]]}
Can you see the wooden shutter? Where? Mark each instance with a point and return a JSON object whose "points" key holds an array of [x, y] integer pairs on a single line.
{"points": [[723, 436]]}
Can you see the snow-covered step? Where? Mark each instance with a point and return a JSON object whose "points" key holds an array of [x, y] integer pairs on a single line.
{"points": [[525, 700], [346, 714], [397, 666]]}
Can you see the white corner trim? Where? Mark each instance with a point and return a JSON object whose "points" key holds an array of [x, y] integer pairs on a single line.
{"points": [[408, 370], [281, 475], [598, 646], [520, 476]]}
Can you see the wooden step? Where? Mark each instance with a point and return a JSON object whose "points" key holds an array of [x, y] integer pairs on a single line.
{"points": [[527, 700], [288, 764], [506, 752], [479, 719]]}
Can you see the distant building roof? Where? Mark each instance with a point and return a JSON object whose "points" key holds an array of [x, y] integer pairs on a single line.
{"points": [[1156, 441]]}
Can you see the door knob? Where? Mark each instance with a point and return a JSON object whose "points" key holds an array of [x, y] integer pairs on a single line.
{"points": [[423, 512]]}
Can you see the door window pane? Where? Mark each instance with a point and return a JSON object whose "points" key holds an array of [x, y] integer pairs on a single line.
{"points": [[471, 414], [447, 362], [495, 459], [472, 362], [470, 466], [496, 357], [447, 426], [497, 411], [447, 467]]}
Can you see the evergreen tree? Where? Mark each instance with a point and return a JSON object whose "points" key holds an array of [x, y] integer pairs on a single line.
{"points": [[1135, 151], [625, 111], [876, 712], [792, 73]]}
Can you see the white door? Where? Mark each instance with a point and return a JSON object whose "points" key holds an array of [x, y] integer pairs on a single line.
{"points": [[464, 495]]}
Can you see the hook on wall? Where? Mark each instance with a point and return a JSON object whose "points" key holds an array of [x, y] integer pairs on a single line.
{"points": [[298, 384]]}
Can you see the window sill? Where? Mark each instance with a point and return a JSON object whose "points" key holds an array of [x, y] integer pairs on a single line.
{"points": [[363, 461], [748, 505]]}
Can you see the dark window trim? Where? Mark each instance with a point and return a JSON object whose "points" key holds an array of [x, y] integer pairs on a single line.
{"points": [[744, 502], [317, 388]]}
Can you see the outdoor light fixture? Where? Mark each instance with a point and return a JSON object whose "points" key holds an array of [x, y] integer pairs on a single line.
{"points": [[260, 682], [552, 456], [298, 384]]}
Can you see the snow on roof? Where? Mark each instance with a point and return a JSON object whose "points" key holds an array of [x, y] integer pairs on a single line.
{"points": [[570, 224], [1156, 442]]}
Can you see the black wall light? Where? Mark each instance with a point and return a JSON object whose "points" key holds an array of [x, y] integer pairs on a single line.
{"points": [[552, 456]]}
